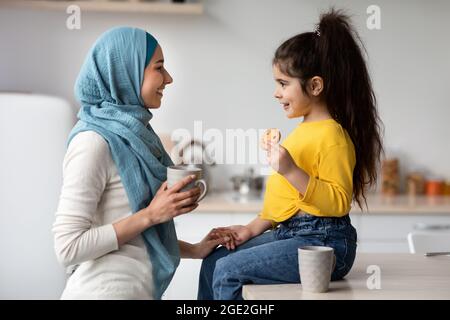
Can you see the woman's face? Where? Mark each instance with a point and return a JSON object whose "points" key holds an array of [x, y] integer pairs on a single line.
{"points": [[155, 80], [289, 93]]}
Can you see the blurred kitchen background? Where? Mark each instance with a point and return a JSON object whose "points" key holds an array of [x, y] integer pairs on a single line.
{"points": [[219, 53]]}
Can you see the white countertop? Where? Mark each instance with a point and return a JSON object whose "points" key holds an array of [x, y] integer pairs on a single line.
{"points": [[403, 276], [378, 204]]}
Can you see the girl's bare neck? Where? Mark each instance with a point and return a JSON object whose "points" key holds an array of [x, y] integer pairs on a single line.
{"points": [[318, 112]]}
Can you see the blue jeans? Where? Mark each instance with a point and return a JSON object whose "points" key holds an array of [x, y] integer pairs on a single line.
{"points": [[272, 257]]}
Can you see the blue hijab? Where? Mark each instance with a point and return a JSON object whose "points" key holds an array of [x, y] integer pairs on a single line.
{"points": [[109, 91]]}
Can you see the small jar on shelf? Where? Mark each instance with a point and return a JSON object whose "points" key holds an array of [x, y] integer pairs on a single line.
{"points": [[415, 184], [390, 177], [447, 188], [434, 186]]}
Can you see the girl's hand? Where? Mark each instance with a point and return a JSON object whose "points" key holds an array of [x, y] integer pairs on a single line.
{"points": [[208, 244], [169, 202], [238, 233], [280, 159]]}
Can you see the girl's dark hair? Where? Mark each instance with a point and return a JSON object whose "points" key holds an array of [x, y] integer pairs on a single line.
{"points": [[332, 52]]}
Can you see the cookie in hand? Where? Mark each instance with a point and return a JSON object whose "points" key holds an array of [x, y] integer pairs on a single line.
{"points": [[271, 135]]}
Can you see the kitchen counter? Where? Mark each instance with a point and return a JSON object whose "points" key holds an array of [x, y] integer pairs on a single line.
{"points": [[228, 202], [402, 276]]}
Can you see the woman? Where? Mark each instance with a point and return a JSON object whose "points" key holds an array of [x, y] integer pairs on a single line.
{"points": [[114, 218]]}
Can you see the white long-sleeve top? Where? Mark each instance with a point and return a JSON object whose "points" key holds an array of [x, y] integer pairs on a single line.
{"points": [[92, 199]]}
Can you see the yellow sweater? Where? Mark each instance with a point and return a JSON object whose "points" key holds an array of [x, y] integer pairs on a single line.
{"points": [[324, 150]]}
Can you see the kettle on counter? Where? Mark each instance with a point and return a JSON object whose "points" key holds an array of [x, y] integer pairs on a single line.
{"points": [[248, 185], [193, 153]]}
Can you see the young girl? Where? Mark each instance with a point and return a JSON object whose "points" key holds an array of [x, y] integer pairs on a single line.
{"points": [[324, 164], [115, 215]]}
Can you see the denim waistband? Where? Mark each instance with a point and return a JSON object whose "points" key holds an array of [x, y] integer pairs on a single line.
{"points": [[315, 222]]}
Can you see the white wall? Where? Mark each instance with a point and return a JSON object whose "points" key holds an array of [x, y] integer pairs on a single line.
{"points": [[221, 63]]}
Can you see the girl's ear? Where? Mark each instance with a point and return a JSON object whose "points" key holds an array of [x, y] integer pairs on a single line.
{"points": [[316, 86]]}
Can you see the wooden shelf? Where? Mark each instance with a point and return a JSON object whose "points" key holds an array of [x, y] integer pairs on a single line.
{"points": [[109, 6]]}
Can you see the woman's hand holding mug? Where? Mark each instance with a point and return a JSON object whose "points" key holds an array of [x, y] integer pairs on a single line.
{"points": [[169, 202]]}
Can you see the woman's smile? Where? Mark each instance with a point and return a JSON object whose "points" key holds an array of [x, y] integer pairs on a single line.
{"points": [[155, 80]]}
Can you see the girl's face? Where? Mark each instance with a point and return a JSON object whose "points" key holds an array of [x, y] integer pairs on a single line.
{"points": [[155, 80], [289, 93]]}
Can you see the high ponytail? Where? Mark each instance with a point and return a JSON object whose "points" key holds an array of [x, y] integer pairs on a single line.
{"points": [[332, 51]]}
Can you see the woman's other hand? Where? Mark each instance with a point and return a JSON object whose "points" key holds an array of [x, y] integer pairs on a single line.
{"points": [[208, 244], [238, 233]]}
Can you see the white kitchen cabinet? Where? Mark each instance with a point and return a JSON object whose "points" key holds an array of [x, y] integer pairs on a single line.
{"points": [[386, 233], [184, 284], [382, 233]]}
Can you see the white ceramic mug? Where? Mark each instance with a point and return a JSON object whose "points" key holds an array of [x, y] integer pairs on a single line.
{"points": [[316, 264], [177, 173]]}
